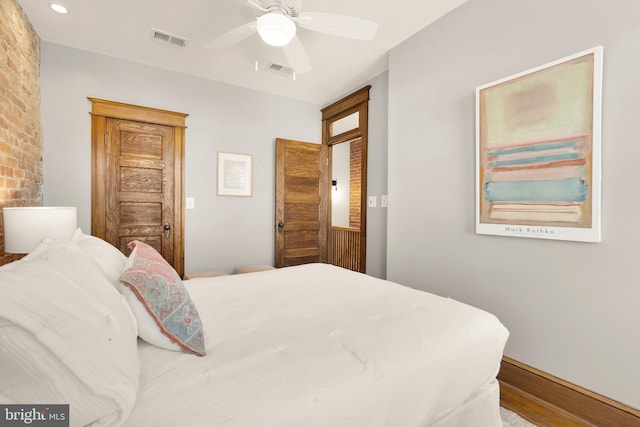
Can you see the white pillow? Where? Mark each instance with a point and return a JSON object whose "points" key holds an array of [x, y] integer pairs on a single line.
{"points": [[110, 260], [67, 336]]}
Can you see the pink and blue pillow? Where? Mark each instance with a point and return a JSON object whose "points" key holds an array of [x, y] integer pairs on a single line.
{"points": [[159, 289]]}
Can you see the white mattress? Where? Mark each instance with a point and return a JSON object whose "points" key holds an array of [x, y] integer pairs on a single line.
{"points": [[317, 345]]}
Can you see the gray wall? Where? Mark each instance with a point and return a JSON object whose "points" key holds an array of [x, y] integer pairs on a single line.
{"points": [[572, 308], [377, 175], [222, 232]]}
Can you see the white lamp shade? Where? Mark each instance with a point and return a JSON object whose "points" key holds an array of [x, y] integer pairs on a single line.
{"points": [[26, 227], [276, 29]]}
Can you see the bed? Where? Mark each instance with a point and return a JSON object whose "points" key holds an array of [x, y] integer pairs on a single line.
{"points": [[310, 345]]}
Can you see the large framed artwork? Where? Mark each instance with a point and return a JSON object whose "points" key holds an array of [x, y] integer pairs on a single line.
{"points": [[538, 151], [234, 174]]}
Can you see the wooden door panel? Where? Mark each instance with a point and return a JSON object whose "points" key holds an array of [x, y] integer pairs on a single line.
{"points": [[302, 190], [140, 140], [141, 162], [140, 214], [301, 183], [302, 239], [304, 212], [137, 145], [291, 261], [140, 191], [136, 179], [301, 256], [295, 225], [150, 198], [303, 164], [309, 254]]}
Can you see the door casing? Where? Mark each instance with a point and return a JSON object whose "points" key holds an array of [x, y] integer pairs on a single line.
{"points": [[348, 247]]}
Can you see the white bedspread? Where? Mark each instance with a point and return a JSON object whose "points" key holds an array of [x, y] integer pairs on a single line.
{"points": [[317, 345]]}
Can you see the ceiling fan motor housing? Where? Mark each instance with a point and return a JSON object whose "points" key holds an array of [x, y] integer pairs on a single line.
{"points": [[288, 7]]}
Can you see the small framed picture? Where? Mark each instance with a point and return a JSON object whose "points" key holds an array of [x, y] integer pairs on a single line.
{"points": [[234, 174]]}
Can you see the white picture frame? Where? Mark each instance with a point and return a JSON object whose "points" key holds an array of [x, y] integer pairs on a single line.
{"points": [[538, 151], [234, 174]]}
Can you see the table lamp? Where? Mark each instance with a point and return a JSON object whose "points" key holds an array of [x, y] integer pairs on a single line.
{"points": [[26, 227]]}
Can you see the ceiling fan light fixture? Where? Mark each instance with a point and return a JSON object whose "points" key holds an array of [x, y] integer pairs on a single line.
{"points": [[276, 29]]}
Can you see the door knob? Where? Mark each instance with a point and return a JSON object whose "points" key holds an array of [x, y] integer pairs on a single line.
{"points": [[167, 230], [280, 226]]}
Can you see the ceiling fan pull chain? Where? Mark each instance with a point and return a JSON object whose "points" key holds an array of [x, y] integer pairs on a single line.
{"points": [[293, 75]]}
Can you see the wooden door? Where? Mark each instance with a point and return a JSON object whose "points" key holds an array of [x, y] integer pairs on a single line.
{"points": [[137, 182], [301, 203]]}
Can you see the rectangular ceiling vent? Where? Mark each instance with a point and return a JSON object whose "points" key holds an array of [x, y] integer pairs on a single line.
{"points": [[283, 70], [168, 38]]}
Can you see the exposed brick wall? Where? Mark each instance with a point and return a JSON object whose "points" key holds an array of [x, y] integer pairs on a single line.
{"points": [[20, 125], [355, 191]]}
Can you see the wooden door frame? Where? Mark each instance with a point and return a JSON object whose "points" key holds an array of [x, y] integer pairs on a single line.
{"points": [[101, 111], [357, 101]]}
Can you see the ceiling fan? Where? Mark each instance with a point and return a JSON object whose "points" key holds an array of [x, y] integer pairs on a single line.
{"points": [[278, 23]]}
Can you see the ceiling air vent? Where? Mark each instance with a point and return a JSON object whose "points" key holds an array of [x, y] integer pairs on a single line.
{"points": [[168, 38], [283, 70]]}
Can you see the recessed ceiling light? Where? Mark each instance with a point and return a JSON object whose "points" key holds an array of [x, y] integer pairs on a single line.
{"points": [[58, 8]]}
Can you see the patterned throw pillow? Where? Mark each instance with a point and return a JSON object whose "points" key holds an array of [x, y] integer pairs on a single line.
{"points": [[161, 291]]}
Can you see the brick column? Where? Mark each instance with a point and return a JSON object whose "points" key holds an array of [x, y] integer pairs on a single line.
{"points": [[20, 125]]}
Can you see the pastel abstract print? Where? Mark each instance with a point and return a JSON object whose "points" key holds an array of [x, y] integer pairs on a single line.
{"points": [[538, 151]]}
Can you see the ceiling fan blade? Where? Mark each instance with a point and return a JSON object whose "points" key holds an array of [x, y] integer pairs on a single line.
{"points": [[338, 25], [232, 37], [256, 5], [297, 56]]}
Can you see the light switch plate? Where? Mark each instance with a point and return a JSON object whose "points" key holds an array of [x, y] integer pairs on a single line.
{"points": [[384, 201], [373, 201], [191, 203]]}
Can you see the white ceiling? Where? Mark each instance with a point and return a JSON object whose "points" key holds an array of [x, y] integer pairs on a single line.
{"points": [[122, 29]]}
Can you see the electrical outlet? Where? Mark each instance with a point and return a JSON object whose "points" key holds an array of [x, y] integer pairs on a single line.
{"points": [[373, 201]]}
